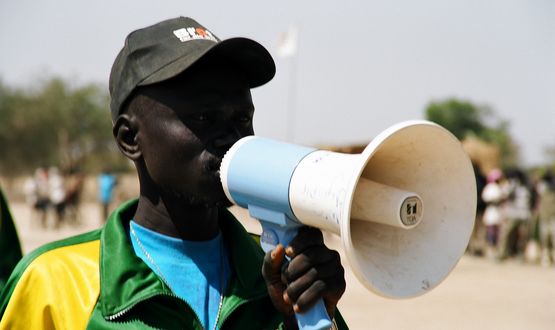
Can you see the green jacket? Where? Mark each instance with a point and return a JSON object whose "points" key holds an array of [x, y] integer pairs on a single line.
{"points": [[10, 249], [96, 281]]}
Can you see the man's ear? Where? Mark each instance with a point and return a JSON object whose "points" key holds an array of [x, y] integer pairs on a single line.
{"points": [[125, 131]]}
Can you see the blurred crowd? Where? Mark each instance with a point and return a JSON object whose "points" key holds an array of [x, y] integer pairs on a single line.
{"points": [[515, 217], [51, 192]]}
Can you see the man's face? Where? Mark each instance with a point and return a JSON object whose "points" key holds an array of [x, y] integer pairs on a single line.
{"points": [[186, 127]]}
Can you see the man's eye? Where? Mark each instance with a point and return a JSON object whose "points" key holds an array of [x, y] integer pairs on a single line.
{"points": [[244, 118], [200, 117]]}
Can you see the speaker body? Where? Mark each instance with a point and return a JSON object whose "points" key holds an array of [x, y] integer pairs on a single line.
{"points": [[404, 207]]}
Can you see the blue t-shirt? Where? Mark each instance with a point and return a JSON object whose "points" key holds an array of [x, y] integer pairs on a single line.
{"points": [[106, 183], [192, 269]]}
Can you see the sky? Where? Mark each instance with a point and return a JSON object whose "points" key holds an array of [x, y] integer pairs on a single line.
{"points": [[360, 66]]}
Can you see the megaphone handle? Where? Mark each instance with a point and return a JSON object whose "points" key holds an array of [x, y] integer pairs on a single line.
{"points": [[316, 318]]}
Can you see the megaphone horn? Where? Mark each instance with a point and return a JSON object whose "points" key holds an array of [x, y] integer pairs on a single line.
{"points": [[404, 207]]}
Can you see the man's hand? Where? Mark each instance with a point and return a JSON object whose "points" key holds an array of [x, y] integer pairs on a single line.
{"points": [[313, 272]]}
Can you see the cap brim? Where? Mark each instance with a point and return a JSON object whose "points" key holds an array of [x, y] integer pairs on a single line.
{"points": [[250, 56]]}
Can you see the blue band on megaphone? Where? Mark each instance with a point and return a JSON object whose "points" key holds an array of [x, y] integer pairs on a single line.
{"points": [[260, 171]]}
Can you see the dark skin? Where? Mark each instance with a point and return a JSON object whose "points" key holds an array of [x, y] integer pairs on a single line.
{"points": [[176, 132]]}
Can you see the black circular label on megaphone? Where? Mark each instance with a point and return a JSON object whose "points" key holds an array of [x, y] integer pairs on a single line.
{"points": [[411, 211]]}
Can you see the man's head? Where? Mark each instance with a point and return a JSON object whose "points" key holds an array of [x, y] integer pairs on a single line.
{"points": [[177, 123]]}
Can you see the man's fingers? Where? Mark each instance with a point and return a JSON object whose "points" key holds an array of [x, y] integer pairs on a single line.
{"points": [[305, 238], [320, 257], [309, 297], [297, 287], [330, 285], [313, 272], [272, 273], [318, 290]]}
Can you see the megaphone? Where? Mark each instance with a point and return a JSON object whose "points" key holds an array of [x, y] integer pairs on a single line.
{"points": [[404, 207]]}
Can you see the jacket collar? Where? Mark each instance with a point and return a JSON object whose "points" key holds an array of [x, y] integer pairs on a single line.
{"points": [[126, 280]]}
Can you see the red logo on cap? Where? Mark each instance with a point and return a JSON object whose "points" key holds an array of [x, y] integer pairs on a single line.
{"points": [[191, 33]]}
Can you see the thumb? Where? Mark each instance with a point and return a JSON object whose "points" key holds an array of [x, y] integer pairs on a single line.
{"points": [[271, 269]]}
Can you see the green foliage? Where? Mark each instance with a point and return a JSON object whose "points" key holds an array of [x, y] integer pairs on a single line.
{"points": [[459, 117], [56, 125], [463, 118], [550, 152]]}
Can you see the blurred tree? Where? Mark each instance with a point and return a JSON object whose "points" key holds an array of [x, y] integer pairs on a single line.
{"points": [[56, 125], [463, 118]]}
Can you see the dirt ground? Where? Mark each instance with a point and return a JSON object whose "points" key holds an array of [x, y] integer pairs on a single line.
{"points": [[478, 294]]}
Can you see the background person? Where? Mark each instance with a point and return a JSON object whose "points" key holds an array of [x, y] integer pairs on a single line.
{"points": [[106, 184], [75, 182], [494, 195], [477, 243], [513, 234], [37, 193], [57, 191]]}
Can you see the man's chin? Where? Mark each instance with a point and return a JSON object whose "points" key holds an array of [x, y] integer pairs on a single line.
{"points": [[218, 200], [211, 203], [223, 204]]}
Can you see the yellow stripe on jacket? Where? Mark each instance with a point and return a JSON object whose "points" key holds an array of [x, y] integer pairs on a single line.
{"points": [[58, 290]]}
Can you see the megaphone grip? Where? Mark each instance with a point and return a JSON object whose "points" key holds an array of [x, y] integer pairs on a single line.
{"points": [[316, 318]]}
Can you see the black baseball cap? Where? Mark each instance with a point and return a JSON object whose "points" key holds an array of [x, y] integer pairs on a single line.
{"points": [[166, 49]]}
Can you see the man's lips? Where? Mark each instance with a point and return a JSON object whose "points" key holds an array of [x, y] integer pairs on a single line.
{"points": [[214, 165]]}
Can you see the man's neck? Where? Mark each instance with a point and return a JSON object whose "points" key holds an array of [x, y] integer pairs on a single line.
{"points": [[177, 219]]}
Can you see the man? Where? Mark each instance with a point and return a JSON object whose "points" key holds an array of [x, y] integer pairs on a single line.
{"points": [[10, 249], [176, 258]]}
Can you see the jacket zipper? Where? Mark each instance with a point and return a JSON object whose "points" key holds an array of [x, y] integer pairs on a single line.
{"points": [[236, 307], [124, 311]]}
